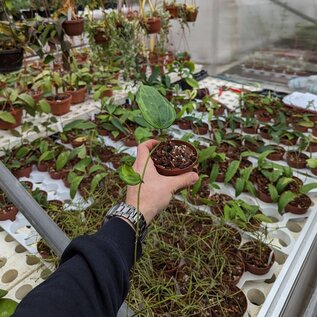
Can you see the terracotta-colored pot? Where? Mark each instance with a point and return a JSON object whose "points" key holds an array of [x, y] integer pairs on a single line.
{"points": [[78, 95], [265, 268], [102, 131], [172, 10], [184, 124], [264, 196], [264, 132], [100, 37], [278, 155], [8, 212], [262, 115], [288, 142], [74, 27], [219, 112], [130, 141], [300, 128], [296, 159], [312, 147], [17, 114], [200, 129], [314, 171], [60, 107], [153, 25], [250, 130], [177, 171], [299, 209], [191, 16], [107, 93], [44, 166], [22, 172], [62, 174]]}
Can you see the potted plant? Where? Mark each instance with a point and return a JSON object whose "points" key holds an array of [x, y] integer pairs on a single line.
{"points": [[7, 211], [159, 113], [59, 102], [247, 217], [72, 24], [76, 82], [12, 103], [151, 23], [258, 257], [19, 161], [172, 8], [191, 11]]}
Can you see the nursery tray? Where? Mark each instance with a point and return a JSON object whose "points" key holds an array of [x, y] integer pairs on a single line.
{"points": [[79, 111], [288, 234]]}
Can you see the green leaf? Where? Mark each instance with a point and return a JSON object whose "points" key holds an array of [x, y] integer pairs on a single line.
{"points": [[44, 106], [285, 198], [142, 134], [308, 187], [128, 175], [48, 58], [282, 183], [240, 184], [190, 65], [27, 99], [192, 82], [96, 168], [312, 163], [232, 170], [262, 218], [74, 184], [22, 152], [46, 156], [251, 188], [96, 180], [7, 117], [62, 160], [263, 156], [156, 109], [7, 307], [214, 173], [82, 164], [197, 185], [205, 154], [3, 293], [273, 193]]}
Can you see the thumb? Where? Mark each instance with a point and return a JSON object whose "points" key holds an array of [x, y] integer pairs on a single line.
{"points": [[184, 180]]}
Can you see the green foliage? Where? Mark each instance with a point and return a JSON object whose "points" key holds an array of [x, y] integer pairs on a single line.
{"points": [[156, 109], [129, 176], [284, 199], [232, 170]]}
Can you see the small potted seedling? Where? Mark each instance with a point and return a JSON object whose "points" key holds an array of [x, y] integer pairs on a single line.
{"points": [[172, 157]]}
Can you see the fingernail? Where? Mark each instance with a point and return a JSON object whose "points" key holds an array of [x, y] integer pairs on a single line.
{"points": [[194, 178]]}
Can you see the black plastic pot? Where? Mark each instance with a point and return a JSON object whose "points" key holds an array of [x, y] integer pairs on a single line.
{"points": [[11, 60]]}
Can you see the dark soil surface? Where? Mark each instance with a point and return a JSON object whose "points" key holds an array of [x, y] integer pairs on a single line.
{"points": [[170, 155]]}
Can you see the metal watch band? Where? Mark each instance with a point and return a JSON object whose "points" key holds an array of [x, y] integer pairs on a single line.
{"points": [[130, 213]]}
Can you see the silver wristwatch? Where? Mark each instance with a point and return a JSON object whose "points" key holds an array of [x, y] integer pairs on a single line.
{"points": [[130, 213]]}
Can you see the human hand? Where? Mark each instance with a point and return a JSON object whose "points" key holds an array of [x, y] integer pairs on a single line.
{"points": [[156, 190]]}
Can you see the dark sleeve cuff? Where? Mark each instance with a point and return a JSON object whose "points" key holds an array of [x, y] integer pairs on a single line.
{"points": [[120, 233]]}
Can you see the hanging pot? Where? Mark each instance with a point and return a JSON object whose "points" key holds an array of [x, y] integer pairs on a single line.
{"points": [[74, 27], [11, 60], [153, 25]]}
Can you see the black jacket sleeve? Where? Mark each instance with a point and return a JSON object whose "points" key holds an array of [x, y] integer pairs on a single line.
{"points": [[92, 280]]}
